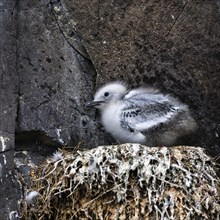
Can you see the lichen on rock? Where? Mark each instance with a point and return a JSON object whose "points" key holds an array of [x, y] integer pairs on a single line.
{"points": [[128, 181]]}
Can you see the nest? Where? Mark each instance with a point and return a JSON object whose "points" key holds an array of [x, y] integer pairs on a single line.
{"points": [[127, 181]]}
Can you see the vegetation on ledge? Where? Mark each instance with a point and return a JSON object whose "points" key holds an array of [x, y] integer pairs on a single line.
{"points": [[128, 181]]}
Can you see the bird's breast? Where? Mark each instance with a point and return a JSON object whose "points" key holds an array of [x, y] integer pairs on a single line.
{"points": [[111, 117], [111, 120]]}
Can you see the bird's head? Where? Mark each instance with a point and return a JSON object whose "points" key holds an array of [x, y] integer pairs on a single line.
{"points": [[107, 93]]}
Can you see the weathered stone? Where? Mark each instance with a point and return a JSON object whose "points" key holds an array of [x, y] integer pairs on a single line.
{"points": [[31, 5], [7, 5], [55, 82], [67, 27], [9, 190]]}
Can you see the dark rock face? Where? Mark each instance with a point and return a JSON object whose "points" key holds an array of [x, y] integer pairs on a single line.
{"points": [[9, 189], [54, 80], [47, 75]]}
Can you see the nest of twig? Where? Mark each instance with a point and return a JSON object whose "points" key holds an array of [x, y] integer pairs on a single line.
{"points": [[127, 181]]}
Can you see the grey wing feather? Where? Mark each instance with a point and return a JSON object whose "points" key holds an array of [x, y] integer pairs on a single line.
{"points": [[142, 113]]}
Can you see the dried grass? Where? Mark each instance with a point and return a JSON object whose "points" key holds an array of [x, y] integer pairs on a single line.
{"points": [[127, 181]]}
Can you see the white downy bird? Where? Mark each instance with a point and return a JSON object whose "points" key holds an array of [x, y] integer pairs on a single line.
{"points": [[142, 115]]}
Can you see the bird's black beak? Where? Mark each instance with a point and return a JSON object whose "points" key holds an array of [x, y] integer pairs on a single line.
{"points": [[93, 104]]}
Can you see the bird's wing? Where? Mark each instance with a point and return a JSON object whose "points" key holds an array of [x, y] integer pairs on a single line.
{"points": [[142, 111]]}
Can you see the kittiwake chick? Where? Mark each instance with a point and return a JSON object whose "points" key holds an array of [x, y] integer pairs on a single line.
{"points": [[142, 115]]}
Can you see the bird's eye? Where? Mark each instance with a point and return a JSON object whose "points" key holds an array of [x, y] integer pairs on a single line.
{"points": [[106, 94]]}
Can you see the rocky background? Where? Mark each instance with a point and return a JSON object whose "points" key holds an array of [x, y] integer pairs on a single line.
{"points": [[54, 54]]}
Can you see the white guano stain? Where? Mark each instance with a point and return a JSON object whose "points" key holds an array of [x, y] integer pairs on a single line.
{"points": [[58, 130], [3, 141], [14, 215], [5, 161], [0, 172]]}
